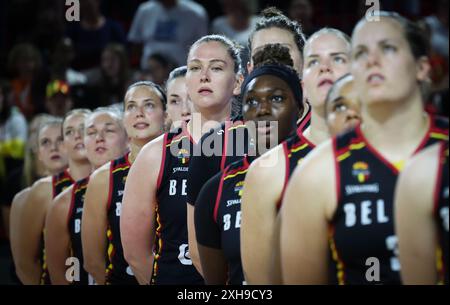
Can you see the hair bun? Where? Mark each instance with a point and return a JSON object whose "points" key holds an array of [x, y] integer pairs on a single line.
{"points": [[270, 12], [272, 54]]}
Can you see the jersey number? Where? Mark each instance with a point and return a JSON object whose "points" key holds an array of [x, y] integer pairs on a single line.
{"points": [[184, 256]]}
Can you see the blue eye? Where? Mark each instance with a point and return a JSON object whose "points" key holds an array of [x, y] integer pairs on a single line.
{"points": [[340, 60], [217, 69], [312, 63], [389, 48], [149, 106], [131, 107]]}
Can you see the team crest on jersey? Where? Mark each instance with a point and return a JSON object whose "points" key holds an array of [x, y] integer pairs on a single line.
{"points": [[361, 171], [183, 155], [238, 188]]}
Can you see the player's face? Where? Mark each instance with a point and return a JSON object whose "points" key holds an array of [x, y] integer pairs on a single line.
{"points": [[383, 65], [270, 99], [326, 60], [105, 139], [51, 152], [73, 132], [343, 111], [281, 36], [210, 78], [179, 107], [144, 114]]}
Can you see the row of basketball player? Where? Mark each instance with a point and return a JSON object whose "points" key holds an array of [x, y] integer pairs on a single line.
{"points": [[333, 201]]}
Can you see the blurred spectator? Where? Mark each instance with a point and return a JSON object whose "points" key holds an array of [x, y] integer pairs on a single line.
{"points": [[168, 27], [237, 23], [58, 101], [111, 79], [302, 11], [28, 79], [13, 136], [13, 133], [91, 35], [48, 28], [158, 69], [62, 57]]}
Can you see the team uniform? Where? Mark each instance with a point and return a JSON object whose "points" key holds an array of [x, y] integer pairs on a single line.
{"points": [[219, 204], [172, 264], [234, 139], [60, 182], [441, 215], [218, 215], [74, 223], [361, 233], [233, 136], [117, 271]]}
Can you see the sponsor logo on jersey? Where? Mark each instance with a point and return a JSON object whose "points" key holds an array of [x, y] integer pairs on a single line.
{"points": [[365, 188], [361, 171], [180, 169], [233, 202]]}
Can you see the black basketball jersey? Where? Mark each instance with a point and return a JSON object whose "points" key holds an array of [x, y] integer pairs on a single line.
{"points": [[441, 215], [172, 263], [363, 245], [117, 271], [74, 222], [211, 158], [304, 123], [60, 182], [295, 148], [226, 215]]}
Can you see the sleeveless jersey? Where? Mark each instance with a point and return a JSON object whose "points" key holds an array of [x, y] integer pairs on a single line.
{"points": [[363, 245], [172, 264], [74, 222], [304, 123], [227, 215], [295, 148], [441, 215], [117, 271], [60, 182]]}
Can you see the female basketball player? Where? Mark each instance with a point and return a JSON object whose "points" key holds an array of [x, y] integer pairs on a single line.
{"points": [[144, 106], [179, 107], [326, 57], [342, 106], [270, 94], [273, 27], [29, 259], [162, 166], [104, 139], [343, 192], [422, 217]]}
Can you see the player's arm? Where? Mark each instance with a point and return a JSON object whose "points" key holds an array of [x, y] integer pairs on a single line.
{"points": [[415, 225], [306, 208], [57, 237], [259, 211], [211, 256], [28, 259], [138, 207], [94, 224]]}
